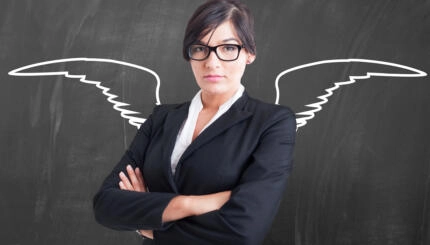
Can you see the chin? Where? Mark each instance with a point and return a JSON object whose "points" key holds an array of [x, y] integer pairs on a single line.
{"points": [[214, 90]]}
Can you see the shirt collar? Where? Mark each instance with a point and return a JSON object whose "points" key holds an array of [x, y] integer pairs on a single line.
{"points": [[196, 102]]}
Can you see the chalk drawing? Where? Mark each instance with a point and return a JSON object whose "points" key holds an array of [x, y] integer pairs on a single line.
{"points": [[304, 116], [117, 105]]}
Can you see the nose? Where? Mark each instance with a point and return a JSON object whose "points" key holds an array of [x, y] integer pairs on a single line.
{"points": [[212, 61]]}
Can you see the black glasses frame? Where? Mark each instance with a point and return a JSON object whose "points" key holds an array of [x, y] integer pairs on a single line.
{"points": [[214, 48]]}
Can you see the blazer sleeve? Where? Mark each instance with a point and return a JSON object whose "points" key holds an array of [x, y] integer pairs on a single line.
{"points": [[127, 210], [248, 215]]}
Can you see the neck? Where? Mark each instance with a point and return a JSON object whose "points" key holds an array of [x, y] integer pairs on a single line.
{"points": [[214, 101]]}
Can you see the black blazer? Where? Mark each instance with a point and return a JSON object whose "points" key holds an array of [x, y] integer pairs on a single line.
{"points": [[247, 150]]}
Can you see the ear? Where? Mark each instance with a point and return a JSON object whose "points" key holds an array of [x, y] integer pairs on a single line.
{"points": [[250, 59]]}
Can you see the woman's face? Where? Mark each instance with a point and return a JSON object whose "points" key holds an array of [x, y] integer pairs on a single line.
{"points": [[214, 76]]}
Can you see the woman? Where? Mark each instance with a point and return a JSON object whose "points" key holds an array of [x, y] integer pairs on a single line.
{"points": [[210, 171]]}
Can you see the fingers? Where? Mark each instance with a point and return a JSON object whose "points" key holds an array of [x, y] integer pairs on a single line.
{"points": [[134, 181], [122, 186], [133, 178], [147, 233], [140, 179], [125, 182]]}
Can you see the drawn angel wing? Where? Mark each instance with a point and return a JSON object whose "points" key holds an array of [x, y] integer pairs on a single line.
{"points": [[120, 106], [304, 116]]}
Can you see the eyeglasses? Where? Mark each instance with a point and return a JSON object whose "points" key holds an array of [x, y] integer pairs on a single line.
{"points": [[225, 52]]}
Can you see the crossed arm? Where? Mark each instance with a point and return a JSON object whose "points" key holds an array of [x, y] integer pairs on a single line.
{"points": [[180, 206]]}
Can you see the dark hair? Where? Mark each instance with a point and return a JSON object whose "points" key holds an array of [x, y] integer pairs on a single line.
{"points": [[211, 14]]}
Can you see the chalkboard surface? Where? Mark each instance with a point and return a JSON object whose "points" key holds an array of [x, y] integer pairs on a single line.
{"points": [[362, 160]]}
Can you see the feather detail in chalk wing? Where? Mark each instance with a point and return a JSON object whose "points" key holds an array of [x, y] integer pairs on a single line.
{"points": [[325, 88], [106, 69]]}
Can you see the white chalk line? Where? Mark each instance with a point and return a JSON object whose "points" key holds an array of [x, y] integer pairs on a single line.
{"points": [[317, 106], [304, 116], [117, 105]]}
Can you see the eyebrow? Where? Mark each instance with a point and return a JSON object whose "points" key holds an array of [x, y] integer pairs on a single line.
{"points": [[230, 39], [223, 41]]}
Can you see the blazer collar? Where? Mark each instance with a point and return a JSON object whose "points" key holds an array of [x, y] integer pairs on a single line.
{"points": [[234, 115]]}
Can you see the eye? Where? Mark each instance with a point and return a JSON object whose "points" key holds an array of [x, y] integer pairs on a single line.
{"points": [[198, 49], [229, 48]]}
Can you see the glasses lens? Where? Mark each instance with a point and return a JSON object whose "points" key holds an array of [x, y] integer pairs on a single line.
{"points": [[198, 52], [228, 52]]}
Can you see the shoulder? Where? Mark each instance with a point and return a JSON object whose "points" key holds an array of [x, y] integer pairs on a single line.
{"points": [[271, 121], [268, 111], [161, 111]]}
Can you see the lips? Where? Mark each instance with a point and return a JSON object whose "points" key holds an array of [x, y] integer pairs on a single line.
{"points": [[213, 77]]}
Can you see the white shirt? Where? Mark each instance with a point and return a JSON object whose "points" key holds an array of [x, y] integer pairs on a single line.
{"points": [[185, 135]]}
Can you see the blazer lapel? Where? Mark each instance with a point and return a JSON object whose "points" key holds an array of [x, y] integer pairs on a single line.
{"points": [[233, 116], [172, 125]]}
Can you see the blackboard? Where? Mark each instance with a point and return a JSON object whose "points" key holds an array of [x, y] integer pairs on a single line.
{"points": [[362, 163]]}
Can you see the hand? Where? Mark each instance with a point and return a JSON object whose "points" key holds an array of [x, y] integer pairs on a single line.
{"points": [[184, 206], [207, 203], [147, 233], [135, 183]]}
